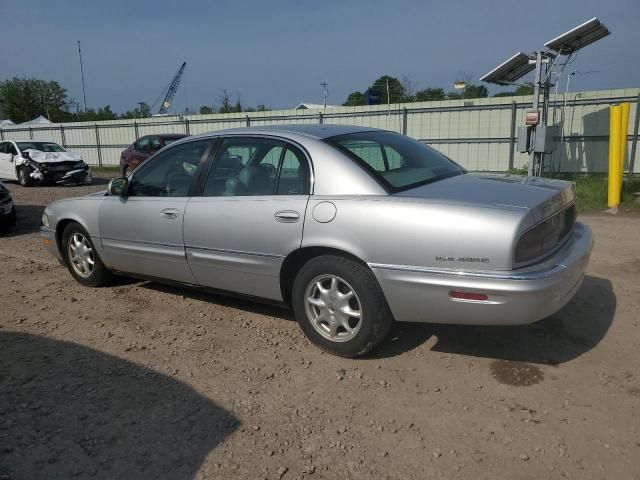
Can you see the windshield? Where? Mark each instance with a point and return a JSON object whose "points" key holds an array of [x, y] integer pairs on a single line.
{"points": [[42, 146], [397, 161]]}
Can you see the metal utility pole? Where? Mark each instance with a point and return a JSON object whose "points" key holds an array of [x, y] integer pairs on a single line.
{"points": [[325, 94], [536, 102], [84, 95]]}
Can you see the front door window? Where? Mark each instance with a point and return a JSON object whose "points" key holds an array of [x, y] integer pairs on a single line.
{"points": [[171, 173]]}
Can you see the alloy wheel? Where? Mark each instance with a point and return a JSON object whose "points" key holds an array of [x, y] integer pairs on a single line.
{"points": [[80, 254], [333, 308]]}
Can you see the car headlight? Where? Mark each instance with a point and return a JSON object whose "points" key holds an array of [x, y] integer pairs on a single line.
{"points": [[45, 220]]}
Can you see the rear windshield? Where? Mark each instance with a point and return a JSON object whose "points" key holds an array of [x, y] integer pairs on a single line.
{"points": [[168, 140], [42, 146], [396, 161]]}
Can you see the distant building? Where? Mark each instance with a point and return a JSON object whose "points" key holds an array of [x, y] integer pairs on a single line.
{"points": [[316, 106]]}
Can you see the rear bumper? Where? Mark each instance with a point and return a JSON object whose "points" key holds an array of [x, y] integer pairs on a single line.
{"points": [[516, 297]]}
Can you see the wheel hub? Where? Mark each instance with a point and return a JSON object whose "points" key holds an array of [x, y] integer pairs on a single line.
{"points": [[333, 308], [80, 255]]}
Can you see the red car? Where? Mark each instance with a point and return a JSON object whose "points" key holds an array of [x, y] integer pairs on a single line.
{"points": [[143, 148]]}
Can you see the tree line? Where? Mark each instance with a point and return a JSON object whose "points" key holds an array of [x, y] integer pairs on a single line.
{"points": [[24, 99], [388, 89]]}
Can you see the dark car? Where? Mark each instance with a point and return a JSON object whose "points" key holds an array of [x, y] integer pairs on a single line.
{"points": [[143, 148], [7, 210]]}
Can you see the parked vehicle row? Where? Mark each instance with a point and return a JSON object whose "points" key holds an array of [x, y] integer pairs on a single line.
{"points": [[353, 228], [143, 148]]}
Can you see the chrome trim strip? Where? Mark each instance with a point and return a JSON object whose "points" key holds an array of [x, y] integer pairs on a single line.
{"points": [[533, 275], [236, 252], [137, 242]]}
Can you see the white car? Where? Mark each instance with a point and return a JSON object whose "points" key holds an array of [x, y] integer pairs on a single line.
{"points": [[37, 162]]}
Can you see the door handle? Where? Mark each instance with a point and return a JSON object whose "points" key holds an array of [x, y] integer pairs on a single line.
{"points": [[170, 213], [287, 216]]}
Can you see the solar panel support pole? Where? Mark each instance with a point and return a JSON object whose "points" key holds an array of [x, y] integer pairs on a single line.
{"points": [[512, 134], [536, 104]]}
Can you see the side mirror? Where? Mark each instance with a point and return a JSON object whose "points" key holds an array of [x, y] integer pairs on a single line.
{"points": [[118, 187]]}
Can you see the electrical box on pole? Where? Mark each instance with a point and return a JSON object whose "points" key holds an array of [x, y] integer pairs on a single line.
{"points": [[537, 137]]}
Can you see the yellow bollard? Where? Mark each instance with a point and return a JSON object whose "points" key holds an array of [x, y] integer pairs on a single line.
{"points": [[624, 126], [614, 182]]}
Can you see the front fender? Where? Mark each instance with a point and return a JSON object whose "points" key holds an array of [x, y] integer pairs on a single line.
{"points": [[82, 210]]}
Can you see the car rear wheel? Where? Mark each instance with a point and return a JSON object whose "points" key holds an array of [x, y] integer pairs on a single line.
{"points": [[81, 257], [24, 176], [340, 306]]}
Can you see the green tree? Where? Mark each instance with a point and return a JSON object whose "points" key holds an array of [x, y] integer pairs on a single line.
{"points": [[26, 98], [262, 108], [355, 99], [92, 115], [525, 89], [142, 111], [430, 94], [238, 106], [397, 92], [205, 110], [470, 91], [225, 101]]}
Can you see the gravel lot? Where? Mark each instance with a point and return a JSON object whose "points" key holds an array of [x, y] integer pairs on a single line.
{"points": [[139, 380]]}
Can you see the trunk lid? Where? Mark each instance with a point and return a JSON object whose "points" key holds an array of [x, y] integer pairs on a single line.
{"points": [[543, 197]]}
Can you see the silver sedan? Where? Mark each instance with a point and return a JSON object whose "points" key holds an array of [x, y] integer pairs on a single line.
{"points": [[351, 227]]}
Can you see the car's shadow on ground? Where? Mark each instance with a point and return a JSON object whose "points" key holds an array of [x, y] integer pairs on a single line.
{"points": [[574, 330], [101, 181], [67, 411], [237, 302], [29, 220]]}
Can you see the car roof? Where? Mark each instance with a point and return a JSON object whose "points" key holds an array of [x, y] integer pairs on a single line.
{"points": [[317, 131], [168, 135]]}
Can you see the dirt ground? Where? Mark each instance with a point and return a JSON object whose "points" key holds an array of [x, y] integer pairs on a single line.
{"points": [[144, 381]]}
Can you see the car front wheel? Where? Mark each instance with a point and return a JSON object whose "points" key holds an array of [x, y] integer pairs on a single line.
{"points": [[81, 257], [340, 306], [24, 176]]}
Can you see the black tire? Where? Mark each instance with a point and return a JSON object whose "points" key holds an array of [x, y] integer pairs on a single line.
{"points": [[99, 274], [24, 176], [376, 319]]}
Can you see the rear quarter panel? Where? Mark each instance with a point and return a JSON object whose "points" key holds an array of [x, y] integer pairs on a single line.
{"points": [[413, 232]]}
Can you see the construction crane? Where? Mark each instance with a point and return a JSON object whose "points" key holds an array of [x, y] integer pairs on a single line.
{"points": [[166, 103]]}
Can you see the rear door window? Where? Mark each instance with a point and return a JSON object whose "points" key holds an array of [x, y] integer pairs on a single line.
{"points": [[257, 166]]}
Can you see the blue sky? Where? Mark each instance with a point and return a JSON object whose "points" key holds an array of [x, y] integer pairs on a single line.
{"points": [[278, 52]]}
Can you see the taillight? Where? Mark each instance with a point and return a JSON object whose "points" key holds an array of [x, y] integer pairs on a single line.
{"points": [[544, 237], [529, 246]]}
